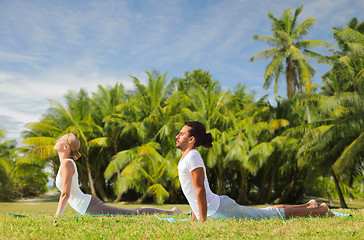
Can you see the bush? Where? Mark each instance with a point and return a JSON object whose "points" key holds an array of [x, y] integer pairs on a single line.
{"points": [[31, 185]]}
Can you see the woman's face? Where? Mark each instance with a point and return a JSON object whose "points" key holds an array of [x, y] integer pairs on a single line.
{"points": [[61, 143]]}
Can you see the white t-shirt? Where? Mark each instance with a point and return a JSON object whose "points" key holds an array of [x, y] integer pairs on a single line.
{"points": [[190, 162], [78, 200]]}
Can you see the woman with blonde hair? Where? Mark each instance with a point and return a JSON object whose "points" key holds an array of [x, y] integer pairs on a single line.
{"points": [[67, 182]]}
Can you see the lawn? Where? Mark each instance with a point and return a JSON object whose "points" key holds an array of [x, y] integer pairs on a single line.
{"points": [[42, 225]]}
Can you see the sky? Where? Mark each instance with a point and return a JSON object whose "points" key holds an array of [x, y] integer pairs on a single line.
{"points": [[50, 47]]}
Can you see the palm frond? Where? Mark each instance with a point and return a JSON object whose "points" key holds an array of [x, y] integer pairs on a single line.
{"points": [[278, 123], [351, 157], [294, 53], [159, 192], [273, 68], [99, 142], [39, 141], [303, 28], [258, 155], [265, 54], [5, 165], [319, 57], [42, 152], [271, 41]]}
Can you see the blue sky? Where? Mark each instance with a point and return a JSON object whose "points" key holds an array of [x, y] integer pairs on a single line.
{"points": [[50, 47]]}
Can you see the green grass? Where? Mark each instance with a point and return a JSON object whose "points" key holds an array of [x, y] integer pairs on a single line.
{"points": [[42, 225]]}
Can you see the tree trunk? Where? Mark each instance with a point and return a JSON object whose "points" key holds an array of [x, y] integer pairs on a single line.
{"points": [[100, 188], [220, 181], [286, 193], [118, 196], [308, 114], [290, 78], [262, 189], [329, 197], [289, 189], [142, 198], [91, 182], [270, 187], [243, 193], [341, 197]]}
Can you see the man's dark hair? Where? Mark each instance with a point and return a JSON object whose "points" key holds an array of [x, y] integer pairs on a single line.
{"points": [[198, 131]]}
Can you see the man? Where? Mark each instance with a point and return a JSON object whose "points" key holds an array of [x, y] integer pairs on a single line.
{"points": [[204, 203]]}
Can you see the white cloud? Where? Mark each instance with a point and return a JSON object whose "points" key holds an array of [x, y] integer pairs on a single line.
{"points": [[50, 47], [13, 57], [25, 98]]}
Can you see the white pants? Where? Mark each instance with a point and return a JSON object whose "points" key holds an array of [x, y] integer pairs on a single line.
{"points": [[230, 209]]}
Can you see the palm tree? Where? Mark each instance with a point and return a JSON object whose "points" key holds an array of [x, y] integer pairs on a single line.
{"points": [[78, 120], [143, 169], [112, 123], [289, 47], [147, 106], [7, 160], [210, 106], [336, 146], [146, 119], [196, 77], [252, 145], [347, 73], [74, 118], [343, 87]]}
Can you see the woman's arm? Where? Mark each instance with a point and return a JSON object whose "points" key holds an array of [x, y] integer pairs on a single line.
{"points": [[67, 170], [198, 178]]}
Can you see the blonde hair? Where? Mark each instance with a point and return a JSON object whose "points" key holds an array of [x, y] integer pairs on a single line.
{"points": [[74, 144]]}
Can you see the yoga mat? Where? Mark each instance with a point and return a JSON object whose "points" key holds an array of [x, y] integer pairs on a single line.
{"points": [[171, 219], [339, 214], [99, 215], [17, 215]]}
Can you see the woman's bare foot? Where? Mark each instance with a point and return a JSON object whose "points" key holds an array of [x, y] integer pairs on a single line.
{"points": [[176, 211], [312, 203]]}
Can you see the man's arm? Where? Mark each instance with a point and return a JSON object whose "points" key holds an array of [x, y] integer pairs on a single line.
{"points": [[198, 177]]}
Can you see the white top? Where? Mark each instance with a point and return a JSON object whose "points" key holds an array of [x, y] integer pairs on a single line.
{"points": [[78, 200], [190, 162]]}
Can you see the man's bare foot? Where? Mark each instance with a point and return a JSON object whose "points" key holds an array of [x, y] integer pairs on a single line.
{"points": [[331, 214], [312, 203], [325, 211], [176, 211]]}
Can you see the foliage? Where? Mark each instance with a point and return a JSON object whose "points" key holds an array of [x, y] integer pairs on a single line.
{"points": [[7, 160], [19, 178], [261, 153], [30, 180], [290, 51]]}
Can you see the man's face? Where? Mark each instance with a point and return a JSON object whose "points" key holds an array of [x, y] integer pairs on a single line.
{"points": [[183, 138]]}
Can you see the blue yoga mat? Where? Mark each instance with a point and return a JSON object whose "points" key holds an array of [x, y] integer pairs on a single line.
{"points": [[99, 215], [339, 214], [171, 219]]}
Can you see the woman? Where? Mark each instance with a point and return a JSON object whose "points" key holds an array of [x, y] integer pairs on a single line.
{"points": [[67, 182]]}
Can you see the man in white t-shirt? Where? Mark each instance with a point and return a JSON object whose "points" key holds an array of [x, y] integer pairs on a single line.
{"points": [[204, 203]]}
